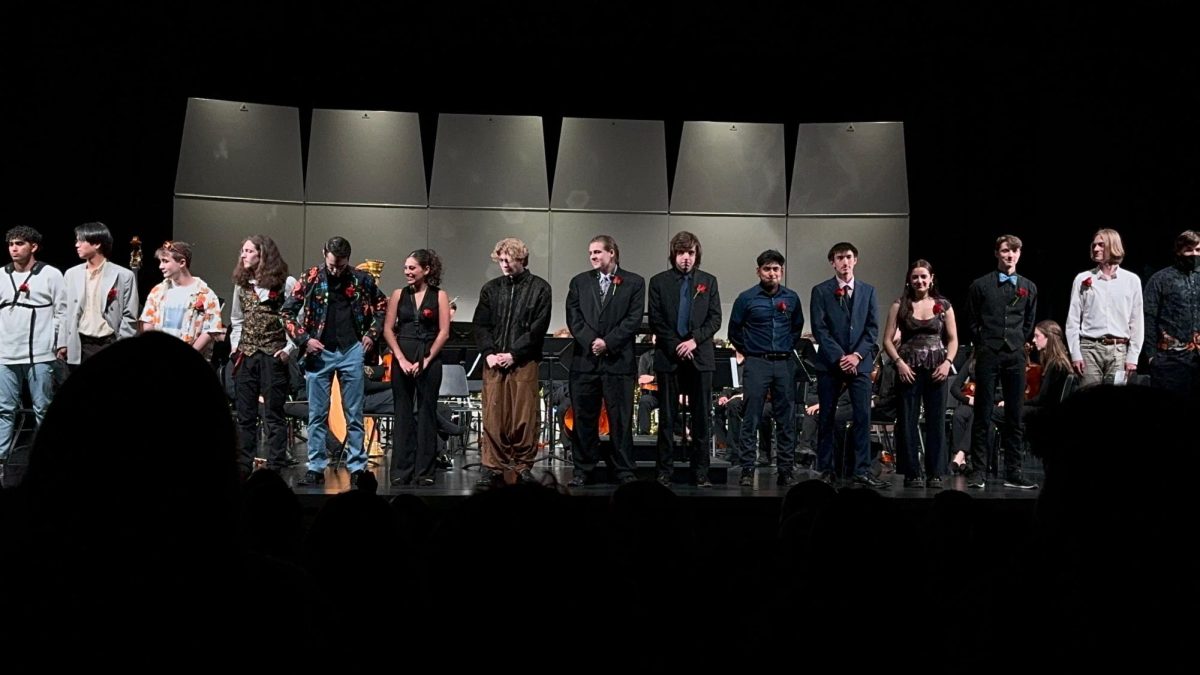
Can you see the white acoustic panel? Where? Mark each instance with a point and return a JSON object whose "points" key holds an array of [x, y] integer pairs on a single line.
{"points": [[853, 169], [386, 234], [365, 157], [882, 245], [611, 165], [218, 228], [496, 161], [731, 244], [641, 237], [730, 168], [240, 150], [464, 238]]}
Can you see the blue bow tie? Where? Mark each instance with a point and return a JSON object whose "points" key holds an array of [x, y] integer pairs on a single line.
{"points": [[1008, 278]]}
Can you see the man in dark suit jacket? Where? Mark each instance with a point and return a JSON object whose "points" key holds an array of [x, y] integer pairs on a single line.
{"points": [[845, 324], [683, 352], [604, 311], [1001, 308]]}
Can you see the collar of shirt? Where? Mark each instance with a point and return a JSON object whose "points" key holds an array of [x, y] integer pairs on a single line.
{"points": [[846, 284], [1100, 273]]}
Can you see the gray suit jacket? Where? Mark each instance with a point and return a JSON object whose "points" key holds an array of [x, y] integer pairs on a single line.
{"points": [[121, 312]]}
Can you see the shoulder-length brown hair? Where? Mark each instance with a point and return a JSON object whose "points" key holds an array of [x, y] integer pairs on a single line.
{"points": [[271, 271]]}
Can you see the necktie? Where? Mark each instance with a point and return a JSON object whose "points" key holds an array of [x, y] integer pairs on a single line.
{"points": [[604, 282], [685, 306], [1008, 278]]}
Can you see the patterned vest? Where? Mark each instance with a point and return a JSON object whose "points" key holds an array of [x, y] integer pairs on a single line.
{"points": [[262, 327]]}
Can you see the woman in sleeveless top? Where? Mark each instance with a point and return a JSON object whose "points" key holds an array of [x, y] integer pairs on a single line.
{"points": [[416, 327], [928, 343]]}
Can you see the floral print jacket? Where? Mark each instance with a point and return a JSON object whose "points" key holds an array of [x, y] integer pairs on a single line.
{"points": [[304, 311], [203, 315]]}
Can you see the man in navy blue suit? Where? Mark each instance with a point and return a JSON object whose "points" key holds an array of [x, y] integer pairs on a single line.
{"points": [[846, 326]]}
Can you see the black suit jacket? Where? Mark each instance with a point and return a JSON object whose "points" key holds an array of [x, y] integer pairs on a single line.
{"points": [[704, 322], [614, 318], [1001, 316]]}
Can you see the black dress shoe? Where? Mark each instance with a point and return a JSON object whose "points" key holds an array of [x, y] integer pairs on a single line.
{"points": [[424, 481], [311, 478], [870, 481], [827, 477], [527, 477], [627, 478], [785, 479], [489, 478], [664, 478], [702, 481], [444, 462], [399, 482], [578, 481], [364, 480]]}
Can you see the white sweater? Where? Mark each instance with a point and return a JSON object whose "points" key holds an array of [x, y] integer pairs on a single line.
{"points": [[43, 306]]}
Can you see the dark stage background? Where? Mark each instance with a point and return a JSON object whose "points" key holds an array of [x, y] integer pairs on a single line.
{"points": [[1043, 123]]}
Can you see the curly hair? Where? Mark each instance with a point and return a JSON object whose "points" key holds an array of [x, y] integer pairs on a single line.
{"points": [[24, 233], [512, 247], [430, 260], [271, 271]]}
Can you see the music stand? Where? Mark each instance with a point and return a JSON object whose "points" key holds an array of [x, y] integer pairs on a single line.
{"points": [[554, 352]]}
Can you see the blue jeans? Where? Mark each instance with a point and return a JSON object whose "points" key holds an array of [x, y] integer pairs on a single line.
{"points": [[40, 377], [318, 376]]}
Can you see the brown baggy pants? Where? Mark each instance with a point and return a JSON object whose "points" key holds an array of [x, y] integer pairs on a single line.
{"points": [[510, 418]]}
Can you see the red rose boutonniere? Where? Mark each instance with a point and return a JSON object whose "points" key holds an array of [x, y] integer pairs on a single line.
{"points": [[840, 294], [112, 294], [1021, 293], [700, 288], [937, 308], [1085, 284], [200, 303], [24, 289], [427, 313], [350, 291], [782, 306], [271, 295], [617, 280]]}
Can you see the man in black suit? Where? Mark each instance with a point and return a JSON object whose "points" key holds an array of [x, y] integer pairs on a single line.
{"points": [[845, 319], [604, 311], [1001, 308], [685, 313]]}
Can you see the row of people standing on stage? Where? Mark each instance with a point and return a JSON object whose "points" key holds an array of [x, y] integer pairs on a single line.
{"points": [[333, 315]]}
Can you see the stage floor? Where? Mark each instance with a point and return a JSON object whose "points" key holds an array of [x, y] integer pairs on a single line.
{"points": [[460, 482]]}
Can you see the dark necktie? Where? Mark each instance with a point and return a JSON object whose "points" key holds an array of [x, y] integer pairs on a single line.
{"points": [[682, 323]]}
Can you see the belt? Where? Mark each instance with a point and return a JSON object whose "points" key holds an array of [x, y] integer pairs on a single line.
{"points": [[774, 356], [1107, 340]]}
